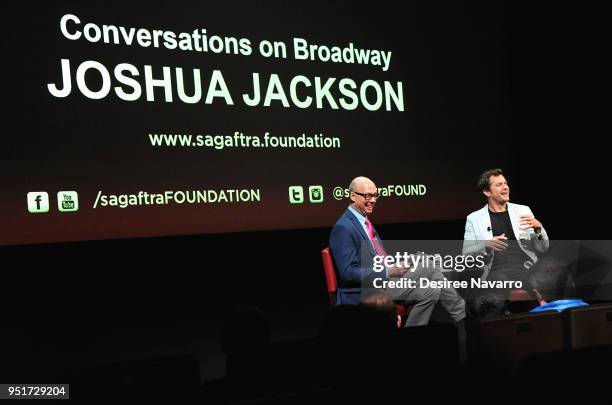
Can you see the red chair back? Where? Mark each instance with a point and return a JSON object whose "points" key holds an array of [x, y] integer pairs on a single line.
{"points": [[330, 275], [520, 295], [332, 283]]}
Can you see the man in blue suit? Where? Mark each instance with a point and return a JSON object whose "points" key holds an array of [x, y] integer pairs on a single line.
{"points": [[354, 243]]}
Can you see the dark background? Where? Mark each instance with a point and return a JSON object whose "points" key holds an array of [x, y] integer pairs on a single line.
{"points": [[76, 303]]}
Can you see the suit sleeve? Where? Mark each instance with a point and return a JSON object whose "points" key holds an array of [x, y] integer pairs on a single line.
{"points": [[541, 245], [471, 246], [345, 247]]}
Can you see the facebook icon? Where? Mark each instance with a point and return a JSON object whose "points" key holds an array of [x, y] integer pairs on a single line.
{"points": [[38, 202]]}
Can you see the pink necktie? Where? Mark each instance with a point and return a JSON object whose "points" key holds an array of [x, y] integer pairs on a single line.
{"points": [[380, 251]]}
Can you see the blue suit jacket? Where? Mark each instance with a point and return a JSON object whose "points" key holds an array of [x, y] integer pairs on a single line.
{"points": [[352, 264]]}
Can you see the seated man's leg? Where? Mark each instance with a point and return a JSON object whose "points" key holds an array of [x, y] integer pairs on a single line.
{"points": [[426, 299], [423, 299], [493, 302], [449, 297], [486, 304]]}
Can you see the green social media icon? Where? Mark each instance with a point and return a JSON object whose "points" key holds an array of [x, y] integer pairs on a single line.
{"points": [[315, 194], [67, 201], [38, 202], [296, 195]]}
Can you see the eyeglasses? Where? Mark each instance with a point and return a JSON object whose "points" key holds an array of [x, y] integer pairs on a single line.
{"points": [[368, 196]]}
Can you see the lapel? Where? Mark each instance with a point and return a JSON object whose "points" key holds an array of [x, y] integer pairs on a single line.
{"points": [[485, 230], [514, 219], [361, 231]]}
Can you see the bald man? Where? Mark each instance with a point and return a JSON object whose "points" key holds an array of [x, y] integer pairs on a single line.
{"points": [[354, 242]]}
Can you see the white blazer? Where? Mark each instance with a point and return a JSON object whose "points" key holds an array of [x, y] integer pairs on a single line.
{"points": [[478, 230]]}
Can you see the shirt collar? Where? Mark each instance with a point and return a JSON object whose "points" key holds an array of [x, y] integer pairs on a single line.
{"points": [[358, 214]]}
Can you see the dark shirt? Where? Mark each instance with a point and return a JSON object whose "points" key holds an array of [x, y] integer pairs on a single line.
{"points": [[513, 255]]}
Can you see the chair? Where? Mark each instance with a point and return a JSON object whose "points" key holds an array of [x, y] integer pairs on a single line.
{"points": [[507, 341], [590, 326], [521, 301], [330, 275], [332, 283], [520, 295]]}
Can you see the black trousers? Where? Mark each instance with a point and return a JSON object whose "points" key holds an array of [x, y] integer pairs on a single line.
{"points": [[493, 302]]}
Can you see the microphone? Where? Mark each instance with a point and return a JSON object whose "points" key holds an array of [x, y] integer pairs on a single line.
{"points": [[488, 229]]}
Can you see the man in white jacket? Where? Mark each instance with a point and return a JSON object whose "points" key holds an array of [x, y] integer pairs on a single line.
{"points": [[507, 235]]}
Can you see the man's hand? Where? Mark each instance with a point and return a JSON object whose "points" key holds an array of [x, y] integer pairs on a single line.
{"points": [[396, 271], [528, 221], [497, 243]]}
